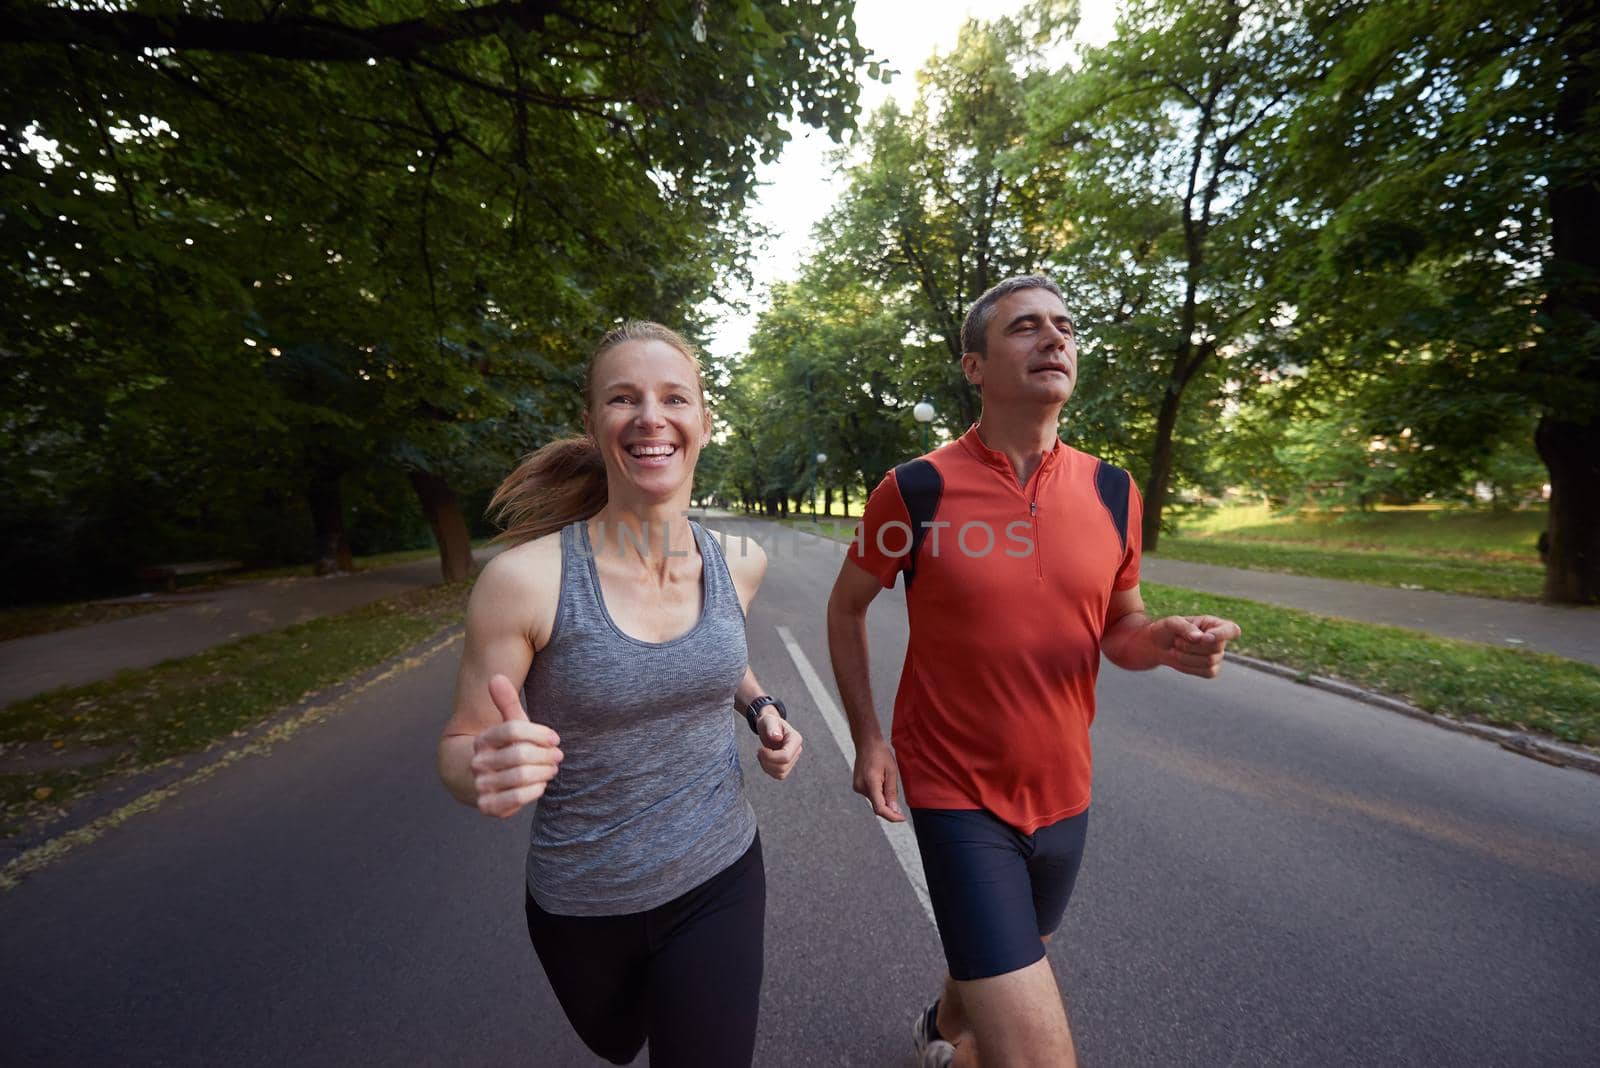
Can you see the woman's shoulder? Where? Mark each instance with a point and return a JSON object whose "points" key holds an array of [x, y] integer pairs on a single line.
{"points": [[527, 572], [747, 563]]}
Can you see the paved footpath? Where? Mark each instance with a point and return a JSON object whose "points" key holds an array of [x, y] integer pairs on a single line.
{"points": [[196, 622], [199, 621], [1570, 632]]}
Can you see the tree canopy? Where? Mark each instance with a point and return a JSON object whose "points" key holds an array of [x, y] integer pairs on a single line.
{"points": [[278, 249], [1345, 244]]}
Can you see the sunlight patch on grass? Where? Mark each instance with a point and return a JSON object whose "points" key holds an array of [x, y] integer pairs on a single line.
{"points": [[1512, 580], [1429, 529]]}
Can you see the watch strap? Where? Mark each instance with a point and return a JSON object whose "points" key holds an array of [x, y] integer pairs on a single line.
{"points": [[753, 710]]}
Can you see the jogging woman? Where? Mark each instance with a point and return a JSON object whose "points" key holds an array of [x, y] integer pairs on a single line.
{"points": [[622, 624]]}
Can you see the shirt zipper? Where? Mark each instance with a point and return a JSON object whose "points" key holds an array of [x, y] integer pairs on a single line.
{"points": [[1038, 542]]}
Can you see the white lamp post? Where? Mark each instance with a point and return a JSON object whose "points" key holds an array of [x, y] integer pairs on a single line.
{"points": [[923, 413], [822, 458]]}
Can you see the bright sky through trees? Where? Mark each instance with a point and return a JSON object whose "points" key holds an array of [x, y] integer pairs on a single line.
{"points": [[799, 189]]}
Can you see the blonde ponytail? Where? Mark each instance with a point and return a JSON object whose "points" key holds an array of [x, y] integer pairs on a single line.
{"points": [[561, 483]]}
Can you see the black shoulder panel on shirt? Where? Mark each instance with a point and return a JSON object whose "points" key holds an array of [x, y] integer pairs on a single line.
{"points": [[920, 486], [1111, 482]]}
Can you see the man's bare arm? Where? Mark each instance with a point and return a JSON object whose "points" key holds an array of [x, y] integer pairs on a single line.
{"points": [[876, 777]]}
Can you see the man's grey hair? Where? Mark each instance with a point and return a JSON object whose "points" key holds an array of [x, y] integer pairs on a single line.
{"points": [[975, 329]]}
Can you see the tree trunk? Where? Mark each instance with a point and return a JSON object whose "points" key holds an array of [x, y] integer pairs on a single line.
{"points": [[439, 504], [1155, 488], [1572, 453], [327, 515], [844, 500], [827, 500], [1568, 435]]}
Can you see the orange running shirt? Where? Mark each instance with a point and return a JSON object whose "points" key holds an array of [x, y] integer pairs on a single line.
{"points": [[1007, 590]]}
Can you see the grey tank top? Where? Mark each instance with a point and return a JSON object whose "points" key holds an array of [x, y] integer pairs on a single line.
{"points": [[649, 802]]}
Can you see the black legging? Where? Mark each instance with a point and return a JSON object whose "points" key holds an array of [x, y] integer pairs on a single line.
{"points": [[685, 976]]}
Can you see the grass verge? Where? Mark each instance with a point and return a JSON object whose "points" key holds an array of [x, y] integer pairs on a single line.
{"points": [[61, 745], [361, 563], [1505, 687], [1507, 579], [42, 619]]}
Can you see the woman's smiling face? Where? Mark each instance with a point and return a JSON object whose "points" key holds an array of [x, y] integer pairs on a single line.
{"points": [[647, 414]]}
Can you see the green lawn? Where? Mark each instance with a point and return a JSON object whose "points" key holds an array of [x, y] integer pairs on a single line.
{"points": [[1424, 530], [1482, 552]]}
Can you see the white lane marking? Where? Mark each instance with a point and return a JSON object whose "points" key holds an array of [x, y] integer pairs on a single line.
{"points": [[901, 837]]}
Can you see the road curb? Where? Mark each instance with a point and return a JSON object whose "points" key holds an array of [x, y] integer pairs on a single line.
{"points": [[1528, 745]]}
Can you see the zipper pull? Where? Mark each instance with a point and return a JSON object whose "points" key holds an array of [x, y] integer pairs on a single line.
{"points": [[1033, 508]]}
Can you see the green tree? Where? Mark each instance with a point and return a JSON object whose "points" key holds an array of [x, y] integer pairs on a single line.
{"points": [[836, 376], [379, 230], [1449, 160], [932, 216], [1157, 157]]}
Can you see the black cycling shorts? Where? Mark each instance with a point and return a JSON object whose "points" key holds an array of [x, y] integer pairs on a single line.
{"points": [[996, 892], [684, 976]]}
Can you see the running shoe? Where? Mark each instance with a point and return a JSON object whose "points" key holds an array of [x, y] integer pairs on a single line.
{"points": [[932, 1051]]}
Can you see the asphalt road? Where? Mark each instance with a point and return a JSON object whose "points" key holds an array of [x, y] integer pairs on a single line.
{"points": [[1275, 876]]}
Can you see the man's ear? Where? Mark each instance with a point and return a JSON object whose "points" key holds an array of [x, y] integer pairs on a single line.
{"points": [[972, 367]]}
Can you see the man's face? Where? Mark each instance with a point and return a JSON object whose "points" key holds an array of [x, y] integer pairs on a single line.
{"points": [[1033, 352]]}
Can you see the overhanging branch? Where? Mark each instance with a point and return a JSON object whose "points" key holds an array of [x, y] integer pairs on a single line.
{"points": [[298, 37]]}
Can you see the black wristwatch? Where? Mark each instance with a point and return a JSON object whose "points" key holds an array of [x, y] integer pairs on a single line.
{"points": [[752, 711]]}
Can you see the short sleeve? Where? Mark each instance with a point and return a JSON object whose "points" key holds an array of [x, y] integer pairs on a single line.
{"points": [[883, 537], [1128, 572]]}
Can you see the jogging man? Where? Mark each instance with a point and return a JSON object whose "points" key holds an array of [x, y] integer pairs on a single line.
{"points": [[1021, 564]]}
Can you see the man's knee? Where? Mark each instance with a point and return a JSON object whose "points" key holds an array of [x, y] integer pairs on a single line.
{"points": [[1033, 983], [1018, 1018]]}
